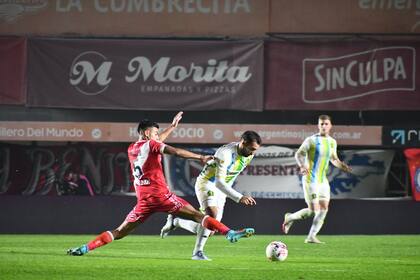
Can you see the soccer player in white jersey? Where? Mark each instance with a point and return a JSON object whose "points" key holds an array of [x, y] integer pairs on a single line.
{"points": [[313, 158], [215, 183]]}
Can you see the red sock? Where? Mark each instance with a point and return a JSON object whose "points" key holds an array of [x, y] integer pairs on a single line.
{"points": [[213, 224], [101, 240]]}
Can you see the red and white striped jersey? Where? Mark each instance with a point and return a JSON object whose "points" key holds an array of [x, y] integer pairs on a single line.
{"points": [[146, 164]]}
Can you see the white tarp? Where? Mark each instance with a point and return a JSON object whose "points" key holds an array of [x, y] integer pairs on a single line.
{"points": [[273, 173]]}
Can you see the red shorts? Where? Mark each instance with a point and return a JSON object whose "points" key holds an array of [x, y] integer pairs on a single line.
{"points": [[148, 204]]}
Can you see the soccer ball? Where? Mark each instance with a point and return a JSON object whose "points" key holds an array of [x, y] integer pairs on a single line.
{"points": [[276, 251]]}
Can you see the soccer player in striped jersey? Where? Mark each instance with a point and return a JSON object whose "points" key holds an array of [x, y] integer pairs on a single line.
{"points": [[215, 183], [152, 191], [313, 158]]}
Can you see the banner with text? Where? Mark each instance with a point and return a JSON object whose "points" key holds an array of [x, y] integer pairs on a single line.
{"points": [[356, 16], [273, 173], [184, 133], [12, 70], [342, 75], [401, 136], [45, 169], [413, 161], [145, 74], [134, 17]]}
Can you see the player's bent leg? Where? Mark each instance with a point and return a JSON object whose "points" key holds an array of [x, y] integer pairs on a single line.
{"points": [[214, 225], [290, 218], [101, 240], [168, 226], [104, 238], [287, 224], [189, 212], [188, 225], [203, 234]]}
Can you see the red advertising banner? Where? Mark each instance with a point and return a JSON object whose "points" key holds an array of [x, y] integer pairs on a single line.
{"points": [[342, 75], [185, 133], [413, 160], [356, 16], [145, 74], [65, 169], [12, 70], [134, 17]]}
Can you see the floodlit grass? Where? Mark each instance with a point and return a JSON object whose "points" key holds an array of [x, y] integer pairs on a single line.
{"points": [[149, 257]]}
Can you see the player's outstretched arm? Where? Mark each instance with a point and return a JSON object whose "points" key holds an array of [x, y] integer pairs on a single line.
{"points": [[186, 154], [167, 131]]}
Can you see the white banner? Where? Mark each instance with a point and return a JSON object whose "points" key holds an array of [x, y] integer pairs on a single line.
{"points": [[196, 133], [273, 173]]}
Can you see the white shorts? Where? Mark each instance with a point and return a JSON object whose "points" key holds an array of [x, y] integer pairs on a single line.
{"points": [[210, 196], [314, 192]]}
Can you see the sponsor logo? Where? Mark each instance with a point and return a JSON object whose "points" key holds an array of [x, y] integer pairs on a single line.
{"points": [[141, 68], [174, 7], [218, 134], [96, 133], [398, 136], [89, 73], [402, 136], [359, 74], [11, 10]]}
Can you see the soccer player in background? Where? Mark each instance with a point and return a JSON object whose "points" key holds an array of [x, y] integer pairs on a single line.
{"points": [[213, 185], [152, 192], [313, 158]]}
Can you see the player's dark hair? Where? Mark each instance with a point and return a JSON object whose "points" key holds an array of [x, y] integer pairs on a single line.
{"points": [[324, 117], [251, 136], [145, 124]]}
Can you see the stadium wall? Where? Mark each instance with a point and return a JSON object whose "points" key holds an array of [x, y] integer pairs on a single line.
{"points": [[86, 215]]}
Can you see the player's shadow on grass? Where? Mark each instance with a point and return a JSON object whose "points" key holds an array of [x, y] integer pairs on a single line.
{"points": [[63, 253], [133, 257]]}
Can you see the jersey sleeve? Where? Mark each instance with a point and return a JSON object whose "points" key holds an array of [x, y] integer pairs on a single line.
{"points": [[156, 146], [223, 160], [334, 150], [301, 153]]}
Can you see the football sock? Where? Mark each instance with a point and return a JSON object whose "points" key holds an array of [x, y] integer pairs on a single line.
{"points": [[203, 235], [214, 225], [317, 222], [301, 214], [101, 240], [189, 225]]}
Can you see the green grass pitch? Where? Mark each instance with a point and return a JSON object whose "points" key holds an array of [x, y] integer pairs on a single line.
{"points": [[149, 257]]}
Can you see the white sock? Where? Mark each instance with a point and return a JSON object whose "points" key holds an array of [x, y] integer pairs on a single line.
{"points": [[189, 225], [300, 215], [317, 222], [203, 235]]}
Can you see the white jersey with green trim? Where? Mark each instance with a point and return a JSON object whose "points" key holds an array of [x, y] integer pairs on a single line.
{"points": [[226, 166], [318, 151]]}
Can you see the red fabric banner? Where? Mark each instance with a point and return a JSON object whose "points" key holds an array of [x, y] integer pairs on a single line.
{"points": [[309, 74], [413, 161], [145, 74], [12, 70]]}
